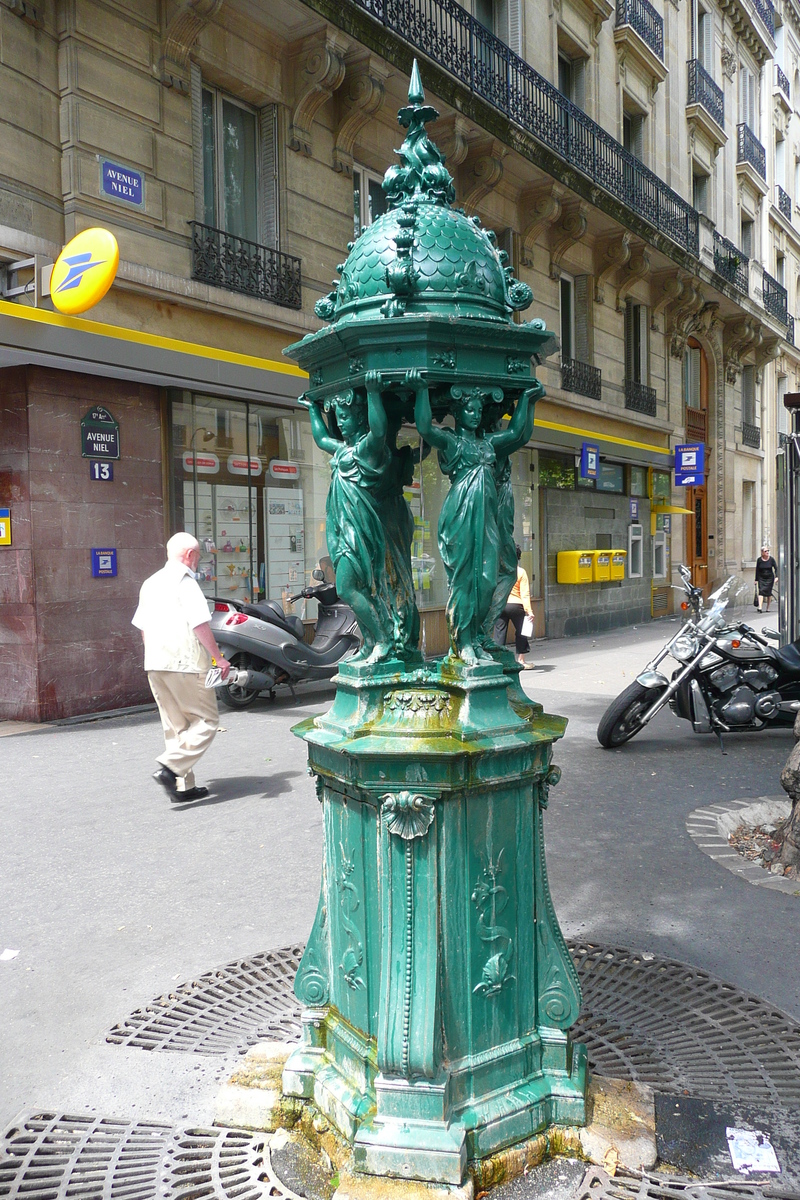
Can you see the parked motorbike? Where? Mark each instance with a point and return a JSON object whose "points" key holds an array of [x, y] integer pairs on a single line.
{"points": [[729, 678], [266, 647]]}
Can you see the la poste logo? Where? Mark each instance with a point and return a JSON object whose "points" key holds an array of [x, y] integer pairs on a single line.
{"points": [[84, 271]]}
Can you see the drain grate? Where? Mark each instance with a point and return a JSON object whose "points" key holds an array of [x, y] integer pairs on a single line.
{"points": [[48, 1157], [653, 1020], [231, 1008], [597, 1185]]}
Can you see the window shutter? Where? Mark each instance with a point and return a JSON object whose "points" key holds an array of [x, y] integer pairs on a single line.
{"points": [[583, 318], [630, 368], [640, 312], [578, 96], [706, 40], [515, 26], [692, 377], [637, 138], [197, 142], [269, 198], [748, 395]]}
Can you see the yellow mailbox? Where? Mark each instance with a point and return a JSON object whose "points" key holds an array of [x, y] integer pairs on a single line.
{"points": [[574, 566], [601, 565], [618, 563]]}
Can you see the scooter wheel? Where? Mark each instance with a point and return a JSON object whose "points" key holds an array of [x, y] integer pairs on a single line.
{"points": [[231, 694], [622, 719]]}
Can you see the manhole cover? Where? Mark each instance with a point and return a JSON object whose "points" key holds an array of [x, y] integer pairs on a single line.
{"points": [[49, 1157], [644, 1018], [231, 1008]]}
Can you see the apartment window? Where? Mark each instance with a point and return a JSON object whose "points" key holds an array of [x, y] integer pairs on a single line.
{"points": [[369, 198], [782, 416], [576, 317], [747, 237], [749, 395], [572, 79], [633, 134], [700, 193], [780, 269], [780, 162], [704, 38], [636, 342], [748, 112], [567, 296], [230, 165]]}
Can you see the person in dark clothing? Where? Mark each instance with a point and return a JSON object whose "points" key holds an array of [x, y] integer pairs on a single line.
{"points": [[766, 574]]}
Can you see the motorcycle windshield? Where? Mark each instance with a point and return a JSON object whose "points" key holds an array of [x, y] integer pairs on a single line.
{"points": [[719, 601]]}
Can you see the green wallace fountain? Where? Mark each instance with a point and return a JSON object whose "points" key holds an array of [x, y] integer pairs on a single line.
{"points": [[436, 984]]}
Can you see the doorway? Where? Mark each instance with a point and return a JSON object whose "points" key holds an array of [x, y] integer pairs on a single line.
{"points": [[695, 395], [697, 536]]}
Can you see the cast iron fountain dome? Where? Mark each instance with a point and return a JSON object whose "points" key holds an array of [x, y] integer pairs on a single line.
{"points": [[423, 256]]}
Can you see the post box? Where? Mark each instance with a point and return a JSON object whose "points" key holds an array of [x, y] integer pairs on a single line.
{"points": [[618, 563], [574, 566], [601, 565]]}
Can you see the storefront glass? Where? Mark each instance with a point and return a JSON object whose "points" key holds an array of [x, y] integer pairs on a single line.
{"points": [[250, 483]]}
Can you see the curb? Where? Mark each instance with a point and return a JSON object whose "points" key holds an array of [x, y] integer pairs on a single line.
{"points": [[707, 829]]}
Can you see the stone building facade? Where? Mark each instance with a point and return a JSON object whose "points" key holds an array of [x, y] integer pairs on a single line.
{"points": [[619, 154]]}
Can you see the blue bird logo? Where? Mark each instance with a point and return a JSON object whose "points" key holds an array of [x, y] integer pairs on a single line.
{"points": [[78, 264]]}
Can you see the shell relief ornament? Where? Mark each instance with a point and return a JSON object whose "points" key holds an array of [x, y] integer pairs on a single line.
{"points": [[407, 815]]}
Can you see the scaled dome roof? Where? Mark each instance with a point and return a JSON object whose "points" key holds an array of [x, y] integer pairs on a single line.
{"points": [[423, 256]]}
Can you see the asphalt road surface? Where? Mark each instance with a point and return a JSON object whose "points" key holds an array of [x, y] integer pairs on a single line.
{"points": [[112, 895]]}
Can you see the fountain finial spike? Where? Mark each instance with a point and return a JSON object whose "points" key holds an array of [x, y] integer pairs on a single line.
{"points": [[416, 95]]}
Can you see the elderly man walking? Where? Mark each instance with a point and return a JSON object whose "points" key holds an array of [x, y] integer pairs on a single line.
{"points": [[178, 649]]}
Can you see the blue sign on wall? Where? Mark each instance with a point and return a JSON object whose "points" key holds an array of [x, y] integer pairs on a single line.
{"points": [[104, 563], [690, 465], [122, 183], [590, 461]]}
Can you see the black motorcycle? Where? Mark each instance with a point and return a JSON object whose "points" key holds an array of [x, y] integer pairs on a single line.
{"points": [[729, 678]]}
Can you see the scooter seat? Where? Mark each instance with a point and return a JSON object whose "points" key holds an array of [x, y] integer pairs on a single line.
{"points": [[788, 657], [270, 610]]}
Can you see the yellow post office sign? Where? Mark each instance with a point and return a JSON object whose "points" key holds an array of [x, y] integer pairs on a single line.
{"points": [[84, 271], [5, 526]]}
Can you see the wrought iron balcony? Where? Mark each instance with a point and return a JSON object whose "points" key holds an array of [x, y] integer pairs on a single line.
{"points": [[226, 261], [750, 150], [640, 398], [784, 202], [705, 92], [790, 331], [642, 17], [751, 435], [782, 82], [766, 11], [460, 45], [580, 377], [775, 298], [731, 263]]}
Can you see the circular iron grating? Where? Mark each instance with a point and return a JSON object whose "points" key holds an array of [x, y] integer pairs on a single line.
{"points": [[649, 1019], [49, 1157]]}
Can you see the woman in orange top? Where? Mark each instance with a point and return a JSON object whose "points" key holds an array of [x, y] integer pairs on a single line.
{"points": [[518, 607]]}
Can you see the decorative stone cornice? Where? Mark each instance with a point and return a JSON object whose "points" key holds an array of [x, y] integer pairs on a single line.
{"points": [[482, 173], [183, 30], [730, 60], [540, 207], [450, 134], [570, 230], [742, 336], [361, 99], [637, 267], [693, 315], [320, 70], [613, 254], [745, 27]]}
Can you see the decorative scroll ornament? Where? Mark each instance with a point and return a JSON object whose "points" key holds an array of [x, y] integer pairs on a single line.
{"points": [[408, 816], [349, 902], [417, 701], [491, 898]]}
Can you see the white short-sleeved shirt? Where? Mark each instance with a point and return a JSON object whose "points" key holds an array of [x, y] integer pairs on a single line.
{"points": [[171, 606]]}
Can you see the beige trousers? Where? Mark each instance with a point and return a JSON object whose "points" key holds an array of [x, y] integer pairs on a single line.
{"points": [[189, 719]]}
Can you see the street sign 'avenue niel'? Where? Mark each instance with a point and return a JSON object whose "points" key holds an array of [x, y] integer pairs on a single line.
{"points": [[99, 434]]}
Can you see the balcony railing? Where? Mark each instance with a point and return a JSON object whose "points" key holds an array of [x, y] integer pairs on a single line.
{"points": [[642, 17], [775, 298], [766, 11], [782, 82], [790, 331], [705, 92], [580, 377], [751, 435], [460, 45], [640, 398], [696, 425], [784, 201], [750, 150], [731, 263], [226, 261]]}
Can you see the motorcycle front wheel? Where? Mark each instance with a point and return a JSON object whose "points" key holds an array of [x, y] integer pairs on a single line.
{"points": [[622, 719], [231, 694]]}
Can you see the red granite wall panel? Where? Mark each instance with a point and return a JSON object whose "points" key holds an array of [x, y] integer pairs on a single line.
{"points": [[18, 653]]}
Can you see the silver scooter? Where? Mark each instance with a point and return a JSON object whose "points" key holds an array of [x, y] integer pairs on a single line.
{"points": [[266, 647]]}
